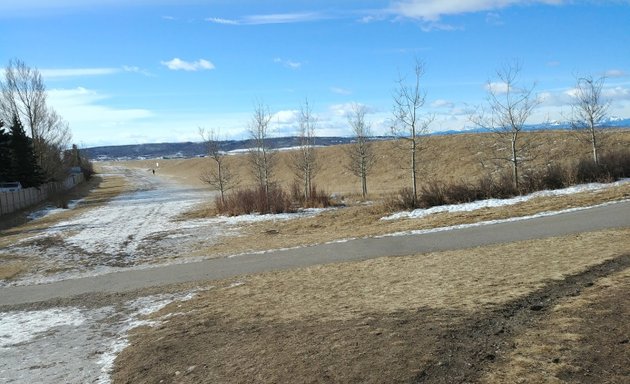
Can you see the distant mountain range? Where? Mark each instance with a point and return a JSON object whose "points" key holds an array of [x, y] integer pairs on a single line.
{"points": [[190, 149]]}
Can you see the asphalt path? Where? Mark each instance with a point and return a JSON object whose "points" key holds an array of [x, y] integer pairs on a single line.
{"points": [[613, 215]]}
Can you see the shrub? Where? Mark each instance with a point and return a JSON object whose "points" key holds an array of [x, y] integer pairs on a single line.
{"points": [[616, 164], [277, 200], [254, 200], [431, 195], [316, 199], [613, 166]]}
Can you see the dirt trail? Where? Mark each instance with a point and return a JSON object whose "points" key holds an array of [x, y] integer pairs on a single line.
{"points": [[135, 228]]}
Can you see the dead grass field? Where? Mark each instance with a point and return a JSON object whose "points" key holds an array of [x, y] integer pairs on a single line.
{"points": [[445, 158], [519, 312]]}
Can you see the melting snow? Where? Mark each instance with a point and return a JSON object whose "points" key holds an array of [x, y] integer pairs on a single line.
{"points": [[71, 345], [493, 203]]}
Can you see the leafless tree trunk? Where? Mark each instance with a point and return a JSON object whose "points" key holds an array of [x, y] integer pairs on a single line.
{"points": [[408, 123], [509, 106], [219, 177], [262, 158], [304, 160], [360, 153], [589, 111]]}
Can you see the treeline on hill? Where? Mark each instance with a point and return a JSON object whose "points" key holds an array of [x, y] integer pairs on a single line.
{"points": [[503, 117], [34, 139]]}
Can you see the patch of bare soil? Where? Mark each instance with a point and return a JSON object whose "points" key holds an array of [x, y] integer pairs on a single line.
{"points": [[457, 316]]}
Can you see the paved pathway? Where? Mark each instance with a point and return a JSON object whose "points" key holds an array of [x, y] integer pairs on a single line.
{"points": [[612, 215]]}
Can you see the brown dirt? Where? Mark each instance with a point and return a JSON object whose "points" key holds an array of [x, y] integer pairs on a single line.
{"points": [[460, 316]]}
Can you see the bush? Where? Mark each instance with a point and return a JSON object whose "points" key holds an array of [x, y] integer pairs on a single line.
{"points": [[316, 199], [254, 200], [277, 200], [613, 166], [431, 195], [616, 164]]}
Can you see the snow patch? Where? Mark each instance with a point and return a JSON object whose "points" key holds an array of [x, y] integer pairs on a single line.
{"points": [[21, 326], [495, 203]]}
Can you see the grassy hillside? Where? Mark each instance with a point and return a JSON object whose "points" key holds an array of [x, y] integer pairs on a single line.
{"points": [[444, 158]]}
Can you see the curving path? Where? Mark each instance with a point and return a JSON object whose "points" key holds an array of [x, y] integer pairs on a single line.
{"points": [[613, 215]]}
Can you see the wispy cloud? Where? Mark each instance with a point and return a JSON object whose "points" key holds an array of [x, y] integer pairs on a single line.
{"points": [[615, 73], [274, 18], [433, 10], [85, 107], [78, 72], [178, 64], [218, 20], [288, 63], [340, 91], [62, 73], [440, 103]]}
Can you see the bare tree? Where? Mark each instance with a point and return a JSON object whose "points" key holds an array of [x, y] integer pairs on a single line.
{"points": [[52, 140], [24, 95], [219, 177], [261, 157], [589, 112], [408, 123], [360, 153], [508, 107], [304, 160]]}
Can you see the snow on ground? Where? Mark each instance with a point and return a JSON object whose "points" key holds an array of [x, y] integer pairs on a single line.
{"points": [[498, 221], [71, 345], [51, 210], [493, 203], [135, 230]]}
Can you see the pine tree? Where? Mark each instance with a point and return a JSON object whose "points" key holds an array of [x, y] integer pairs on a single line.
{"points": [[23, 160], [6, 173]]}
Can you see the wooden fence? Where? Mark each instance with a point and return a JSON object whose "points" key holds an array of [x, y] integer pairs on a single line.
{"points": [[14, 201]]}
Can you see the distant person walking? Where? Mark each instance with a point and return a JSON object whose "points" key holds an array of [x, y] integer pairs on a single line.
{"points": [[153, 171]]}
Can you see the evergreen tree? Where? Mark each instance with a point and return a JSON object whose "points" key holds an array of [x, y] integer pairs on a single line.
{"points": [[6, 173], [23, 160]]}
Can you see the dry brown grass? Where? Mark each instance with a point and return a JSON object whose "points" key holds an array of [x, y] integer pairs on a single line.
{"points": [[381, 320], [576, 342], [365, 221], [445, 158]]}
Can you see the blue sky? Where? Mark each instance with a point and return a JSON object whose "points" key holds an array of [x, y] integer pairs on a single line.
{"points": [[137, 71]]}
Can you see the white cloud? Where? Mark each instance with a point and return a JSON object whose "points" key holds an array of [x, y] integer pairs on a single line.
{"points": [[218, 20], [433, 10], [78, 72], [81, 105], [440, 103], [282, 18], [288, 63], [178, 64], [496, 87], [60, 73], [276, 18], [290, 116]]}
